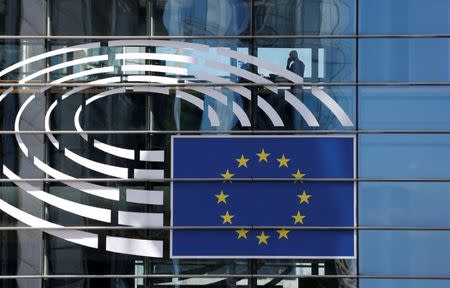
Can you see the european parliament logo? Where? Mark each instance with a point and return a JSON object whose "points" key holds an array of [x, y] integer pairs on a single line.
{"points": [[263, 198]]}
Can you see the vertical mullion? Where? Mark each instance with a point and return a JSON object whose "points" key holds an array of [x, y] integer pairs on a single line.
{"points": [[357, 136]]}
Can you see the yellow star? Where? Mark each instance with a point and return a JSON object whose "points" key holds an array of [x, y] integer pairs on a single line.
{"points": [[222, 198], [242, 161], [298, 218], [283, 161], [227, 175], [304, 198], [298, 175], [227, 218], [263, 156], [242, 233], [283, 233], [262, 238]]}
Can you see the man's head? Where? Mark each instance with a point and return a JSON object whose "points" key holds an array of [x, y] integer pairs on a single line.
{"points": [[293, 55]]}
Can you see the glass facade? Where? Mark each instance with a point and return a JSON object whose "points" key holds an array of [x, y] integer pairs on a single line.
{"points": [[93, 91]]}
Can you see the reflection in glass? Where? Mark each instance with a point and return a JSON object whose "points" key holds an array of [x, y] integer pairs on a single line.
{"points": [[22, 17], [304, 17], [201, 17]]}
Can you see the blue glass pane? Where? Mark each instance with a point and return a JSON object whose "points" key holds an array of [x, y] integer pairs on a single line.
{"points": [[404, 107], [397, 283], [404, 253], [201, 17], [404, 156], [404, 204], [404, 60], [404, 17], [304, 17]]}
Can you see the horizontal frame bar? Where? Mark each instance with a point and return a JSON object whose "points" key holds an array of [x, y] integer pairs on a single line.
{"points": [[253, 227], [216, 37], [214, 276], [169, 180]]}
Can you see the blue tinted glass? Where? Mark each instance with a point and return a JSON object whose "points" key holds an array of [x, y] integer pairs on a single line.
{"points": [[404, 253], [404, 17], [404, 156], [404, 107], [402, 283], [201, 17], [404, 60], [304, 17], [404, 204]]}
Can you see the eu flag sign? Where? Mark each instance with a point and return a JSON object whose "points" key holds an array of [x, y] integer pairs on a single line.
{"points": [[279, 206]]}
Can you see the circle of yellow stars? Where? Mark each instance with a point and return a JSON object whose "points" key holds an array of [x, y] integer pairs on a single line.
{"points": [[242, 162]]}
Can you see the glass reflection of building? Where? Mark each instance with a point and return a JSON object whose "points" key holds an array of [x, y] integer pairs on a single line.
{"points": [[369, 56]]}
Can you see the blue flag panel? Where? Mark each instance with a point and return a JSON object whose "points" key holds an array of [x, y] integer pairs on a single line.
{"points": [[280, 204]]}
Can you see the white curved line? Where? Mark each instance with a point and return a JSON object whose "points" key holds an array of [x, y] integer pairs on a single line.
{"points": [[273, 115], [321, 96], [148, 174], [213, 117], [114, 150], [155, 56], [333, 106], [76, 120], [159, 43], [138, 247], [78, 237], [155, 68], [106, 169], [22, 145], [215, 79], [152, 79], [47, 125], [49, 54], [93, 71], [89, 188], [4, 94], [301, 108], [87, 211], [64, 65], [138, 219], [150, 197], [240, 114]]}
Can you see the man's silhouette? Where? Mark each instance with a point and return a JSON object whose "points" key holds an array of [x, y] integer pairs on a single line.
{"points": [[294, 64]]}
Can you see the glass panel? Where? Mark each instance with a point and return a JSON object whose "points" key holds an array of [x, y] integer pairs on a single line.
{"points": [[201, 17], [404, 108], [404, 156], [22, 17], [397, 283], [404, 204], [99, 17], [404, 17], [404, 60], [424, 253], [304, 17]]}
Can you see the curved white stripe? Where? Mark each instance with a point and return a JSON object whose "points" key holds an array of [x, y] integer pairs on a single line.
{"points": [[301, 108], [47, 125], [22, 145], [215, 79], [155, 68], [49, 54], [161, 43], [155, 56], [93, 71], [106, 169], [87, 211], [240, 114], [114, 150], [78, 237], [4, 94], [333, 106], [138, 219], [148, 174], [89, 188], [151, 197], [213, 117], [76, 120], [64, 65], [139, 247], [154, 79], [273, 115]]}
